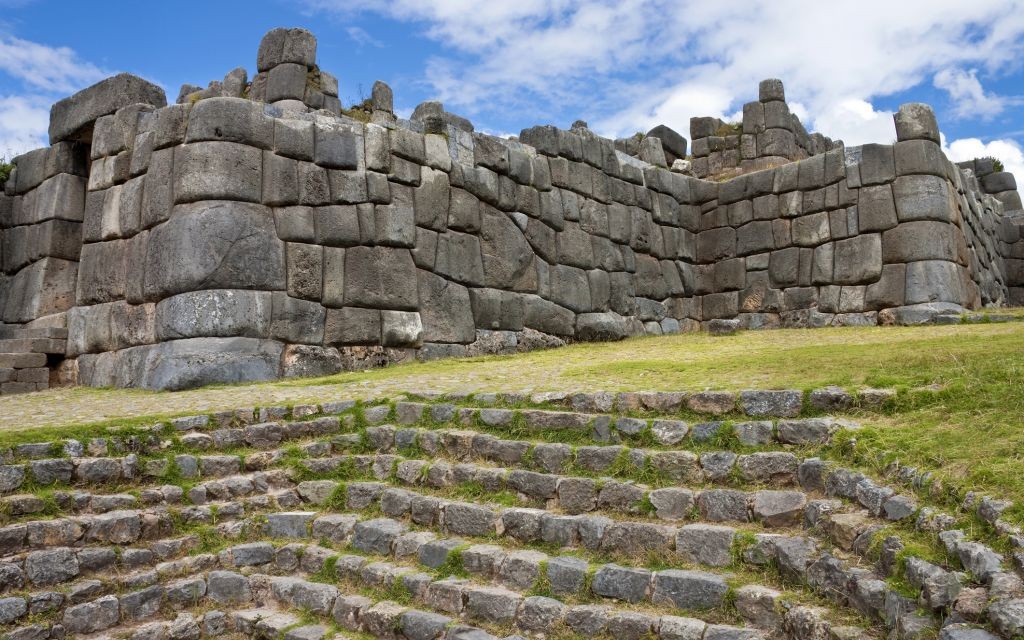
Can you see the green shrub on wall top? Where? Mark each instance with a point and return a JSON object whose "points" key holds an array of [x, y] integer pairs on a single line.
{"points": [[5, 170]]}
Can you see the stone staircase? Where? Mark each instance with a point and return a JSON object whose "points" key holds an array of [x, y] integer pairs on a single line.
{"points": [[25, 354], [707, 516]]}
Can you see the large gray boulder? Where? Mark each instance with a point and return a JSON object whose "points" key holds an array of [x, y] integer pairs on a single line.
{"points": [[916, 121], [196, 362], [217, 171], [445, 310], [214, 313], [689, 589], [381, 277], [71, 115], [283, 45], [673, 144], [622, 583], [46, 286], [215, 245], [600, 326], [231, 120], [506, 253], [934, 281]]}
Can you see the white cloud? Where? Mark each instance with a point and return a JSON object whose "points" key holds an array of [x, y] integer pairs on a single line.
{"points": [[46, 68], [855, 122], [691, 57], [46, 74], [362, 38], [677, 105], [23, 124], [969, 97], [1006, 151]]}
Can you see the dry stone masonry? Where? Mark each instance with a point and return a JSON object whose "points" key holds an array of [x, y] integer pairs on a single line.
{"points": [[640, 516], [257, 229]]}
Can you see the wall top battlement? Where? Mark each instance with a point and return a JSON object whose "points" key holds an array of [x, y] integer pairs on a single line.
{"points": [[258, 228]]}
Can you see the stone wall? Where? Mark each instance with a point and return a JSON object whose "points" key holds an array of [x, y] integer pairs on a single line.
{"points": [[1004, 232], [227, 239], [769, 135], [41, 232]]}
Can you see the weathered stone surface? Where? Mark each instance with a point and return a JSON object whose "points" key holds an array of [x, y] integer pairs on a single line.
{"points": [[622, 583], [380, 277], [916, 121], [230, 120], [289, 524], [878, 164], [286, 45], [90, 617], [876, 209], [705, 544], [227, 587], [214, 313], [934, 281], [376, 536], [723, 505], [688, 589], [858, 259], [209, 245], [672, 142], [195, 362], [920, 240], [771, 403], [779, 508], [446, 312], [51, 567], [217, 171], [922, 197], [70, 115], [469, 520]]}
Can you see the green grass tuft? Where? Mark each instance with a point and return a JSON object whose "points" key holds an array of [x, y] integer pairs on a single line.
{"points": [[452, 566]]}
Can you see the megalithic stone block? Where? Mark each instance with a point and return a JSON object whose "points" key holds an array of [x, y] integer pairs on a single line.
{"points": [[286, 45], [916, 121], [672, 142], [72, 114], [44, 287], [215, 245], [195, 362], [771, 89]]}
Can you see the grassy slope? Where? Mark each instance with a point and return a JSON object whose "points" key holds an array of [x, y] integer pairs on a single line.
{"points": [[971, 432]]}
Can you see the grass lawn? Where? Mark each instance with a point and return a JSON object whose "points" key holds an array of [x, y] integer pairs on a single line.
{"points": [[970, 432]]}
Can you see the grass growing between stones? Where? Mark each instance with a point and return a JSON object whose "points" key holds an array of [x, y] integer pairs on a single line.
{"points": [[967, 431]]}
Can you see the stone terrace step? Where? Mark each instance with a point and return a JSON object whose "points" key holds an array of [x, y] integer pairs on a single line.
{"points": [[243, 476], [352, 491], [284, 523], [23, 357], [570, 493], [196, 432]]}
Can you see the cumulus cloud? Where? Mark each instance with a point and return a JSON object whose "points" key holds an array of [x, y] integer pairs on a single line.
{"points": [[627, 65], [969, 98], [23, 124], [855, 122], [46, 74], [1006, 151], [56, 69], [676, 51], [362, 38]]}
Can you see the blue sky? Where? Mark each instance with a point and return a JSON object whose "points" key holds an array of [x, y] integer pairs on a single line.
{"points": [[622, 65]]}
